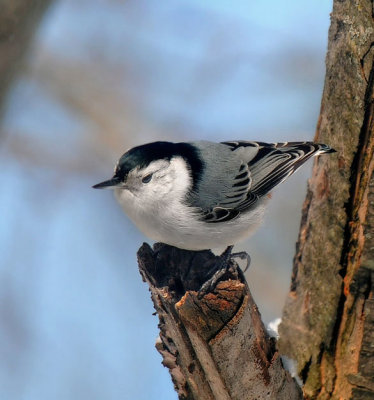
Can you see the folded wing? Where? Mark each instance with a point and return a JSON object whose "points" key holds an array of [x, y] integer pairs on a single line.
{"points": [[264, 165]]}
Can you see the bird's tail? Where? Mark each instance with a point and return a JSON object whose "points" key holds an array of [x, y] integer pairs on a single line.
{"points": [[273, 164]]}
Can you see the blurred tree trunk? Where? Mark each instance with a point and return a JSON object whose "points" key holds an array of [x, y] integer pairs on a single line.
{"points": [[328, 320], [18, 21]]}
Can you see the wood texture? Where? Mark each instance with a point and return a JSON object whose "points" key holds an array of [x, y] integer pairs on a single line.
{"points": [[215, 347], [328, 318]]}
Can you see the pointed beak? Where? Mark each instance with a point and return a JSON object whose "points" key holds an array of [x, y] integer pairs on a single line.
{"points": [[110, 184]]}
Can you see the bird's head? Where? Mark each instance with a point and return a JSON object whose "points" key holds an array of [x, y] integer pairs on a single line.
{"points": [[154, 172]]}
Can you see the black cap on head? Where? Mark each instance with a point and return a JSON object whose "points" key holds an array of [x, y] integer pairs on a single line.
{"points": [[142, 156]]}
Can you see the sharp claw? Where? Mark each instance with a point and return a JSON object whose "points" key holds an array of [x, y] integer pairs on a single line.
{"points": [[243, 256]]}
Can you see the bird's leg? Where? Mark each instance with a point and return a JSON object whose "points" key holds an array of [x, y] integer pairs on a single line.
{"points": [[223, 262], [220, 269]]}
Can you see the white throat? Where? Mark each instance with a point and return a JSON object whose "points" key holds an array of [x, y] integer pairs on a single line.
{"points": [[162, 208]]}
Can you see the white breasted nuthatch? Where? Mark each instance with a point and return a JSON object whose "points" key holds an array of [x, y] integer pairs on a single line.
{"points": [[202, 195]]}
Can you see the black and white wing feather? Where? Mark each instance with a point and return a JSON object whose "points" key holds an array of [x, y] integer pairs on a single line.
{"points": [[237, 194], [263, 166]]}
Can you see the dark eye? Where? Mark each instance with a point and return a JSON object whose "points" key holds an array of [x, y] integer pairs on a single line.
{"points": [[147, 178]]}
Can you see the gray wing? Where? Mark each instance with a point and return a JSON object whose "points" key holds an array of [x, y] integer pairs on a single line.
{"points": [[238, 193], [262, 167]]}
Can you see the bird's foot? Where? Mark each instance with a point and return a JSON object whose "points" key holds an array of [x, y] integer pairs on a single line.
{"points": [[243, 256], [221, 268]]}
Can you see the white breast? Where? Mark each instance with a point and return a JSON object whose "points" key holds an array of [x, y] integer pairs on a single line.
{"points": [[163, 216]]}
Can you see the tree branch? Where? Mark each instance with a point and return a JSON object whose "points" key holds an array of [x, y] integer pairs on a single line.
{"points": [[216, 347]]}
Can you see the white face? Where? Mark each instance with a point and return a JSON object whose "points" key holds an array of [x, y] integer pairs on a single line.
{"points": [[160, 183]]}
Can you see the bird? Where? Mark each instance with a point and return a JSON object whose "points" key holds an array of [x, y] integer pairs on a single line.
{"points": [[203, 195]]}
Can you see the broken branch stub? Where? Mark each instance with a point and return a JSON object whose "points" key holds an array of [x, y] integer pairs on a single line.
{"points": [[216, 347]]}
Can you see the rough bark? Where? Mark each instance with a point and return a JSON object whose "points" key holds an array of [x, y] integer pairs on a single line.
{"points": [[18, 20], [216, 347], [328, 320]]}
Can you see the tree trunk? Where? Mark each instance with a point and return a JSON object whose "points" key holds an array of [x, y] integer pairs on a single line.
{"points": [[216, 347], [328, 320]]}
